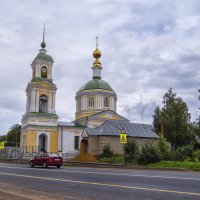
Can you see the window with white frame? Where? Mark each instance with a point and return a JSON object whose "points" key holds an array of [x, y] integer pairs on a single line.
{"points": [[91, 102], [106, 102]]}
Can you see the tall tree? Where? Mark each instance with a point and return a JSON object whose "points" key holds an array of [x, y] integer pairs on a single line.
{"points": [[13, 135], [156, 120], [175, 119]]}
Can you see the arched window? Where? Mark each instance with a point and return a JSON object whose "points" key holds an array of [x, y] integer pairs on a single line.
{"points": [[44, 72], [43, 142], [43, 103], [106, 102], [91, 102]]}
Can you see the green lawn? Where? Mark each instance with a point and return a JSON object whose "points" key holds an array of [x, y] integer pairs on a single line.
{"points": [[177, 165], [116, 159]]}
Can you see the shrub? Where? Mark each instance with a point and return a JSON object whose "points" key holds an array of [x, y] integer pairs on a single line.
{"points": [[197, 156], [163, 149], [107, 151], [149, 154], [130, 150], [185, 153]]}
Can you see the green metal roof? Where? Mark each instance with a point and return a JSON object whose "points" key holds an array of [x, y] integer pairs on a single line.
{"points": [[44, 56], [96, 83]]}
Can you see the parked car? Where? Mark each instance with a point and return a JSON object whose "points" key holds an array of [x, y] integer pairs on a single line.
{"points": [[46, 159]]}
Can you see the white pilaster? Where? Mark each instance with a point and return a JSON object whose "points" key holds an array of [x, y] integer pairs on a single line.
{"points": [[32, 106], [54, 102], [99, 101], [37, 101], [27, 103], [59, 139], [37, 70]]}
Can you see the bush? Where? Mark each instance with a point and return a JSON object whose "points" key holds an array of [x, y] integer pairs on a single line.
{"points": [[185, 153], [163, 149], [107, 151], [149, 154], [197, 156], [130, 151]]}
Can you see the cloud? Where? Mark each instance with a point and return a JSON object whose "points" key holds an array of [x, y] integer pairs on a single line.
{"points": [[147, 47]]}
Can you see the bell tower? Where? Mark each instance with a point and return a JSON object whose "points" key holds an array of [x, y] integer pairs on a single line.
{"points": [[39, 123]]}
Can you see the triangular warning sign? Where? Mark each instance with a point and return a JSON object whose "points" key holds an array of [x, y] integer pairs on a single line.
{"points": [[123, 138]]}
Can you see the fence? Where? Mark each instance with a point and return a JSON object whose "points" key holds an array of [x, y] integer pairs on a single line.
{"points": [[29, 152]]}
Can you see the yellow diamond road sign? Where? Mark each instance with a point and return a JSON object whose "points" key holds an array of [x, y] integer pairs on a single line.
{"points": [[123, 138]]}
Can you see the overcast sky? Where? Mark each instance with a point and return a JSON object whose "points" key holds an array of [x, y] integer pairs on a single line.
{"points": [[147, 47]]}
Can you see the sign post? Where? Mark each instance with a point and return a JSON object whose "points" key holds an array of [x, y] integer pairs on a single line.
{"points": [[123, 137]]}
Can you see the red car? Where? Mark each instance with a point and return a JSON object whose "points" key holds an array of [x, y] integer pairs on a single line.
{"points": [[46, 159]]}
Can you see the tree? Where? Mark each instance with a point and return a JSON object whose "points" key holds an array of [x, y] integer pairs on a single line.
{"points": [[175, 120], [13, 135], [156, 120], [195, 130]]}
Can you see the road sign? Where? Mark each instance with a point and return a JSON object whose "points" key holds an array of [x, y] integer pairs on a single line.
{"points": [[2, 145], [123, 138]]}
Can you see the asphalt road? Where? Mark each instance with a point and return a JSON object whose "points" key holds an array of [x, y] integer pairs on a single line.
{"points": [[21, 182]]}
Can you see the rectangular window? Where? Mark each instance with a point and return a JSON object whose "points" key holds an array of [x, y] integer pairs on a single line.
{"points": [[76, 142]]}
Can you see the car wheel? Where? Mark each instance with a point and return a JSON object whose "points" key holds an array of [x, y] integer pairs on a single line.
{"points": [[45, 165], [31, 164], [58, 166]]}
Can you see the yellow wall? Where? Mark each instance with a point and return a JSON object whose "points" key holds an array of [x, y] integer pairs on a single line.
{"points": [[53, 141], [31, 138]]}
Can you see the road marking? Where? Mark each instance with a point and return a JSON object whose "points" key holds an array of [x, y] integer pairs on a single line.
{"points": [[103, 184], [109, 173]]}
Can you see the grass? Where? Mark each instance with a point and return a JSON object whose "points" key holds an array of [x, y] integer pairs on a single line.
{"points": [[116, 159], [195, 166]]}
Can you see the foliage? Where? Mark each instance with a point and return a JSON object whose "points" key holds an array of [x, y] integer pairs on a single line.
{"points": [[163, 148], [197, 156], [117, 159], [195, 130], [13, 135], [130, 150], [149, 154], [185, 153], [107, 151], [3, 138], [175, 120], [156, 120], [176, 165]]}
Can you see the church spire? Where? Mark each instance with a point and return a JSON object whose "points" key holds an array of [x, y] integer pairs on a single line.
{"points": [[97, 63], [43, 44]]}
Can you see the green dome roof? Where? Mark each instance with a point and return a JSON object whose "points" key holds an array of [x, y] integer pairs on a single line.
{"points": [[96, 83], [44, 56]]}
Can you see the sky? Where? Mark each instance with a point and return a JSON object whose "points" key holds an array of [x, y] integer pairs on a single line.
{"points": [[147, 47]]}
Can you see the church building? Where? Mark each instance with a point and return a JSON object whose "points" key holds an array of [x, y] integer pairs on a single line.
{"points": [[96, 123]]}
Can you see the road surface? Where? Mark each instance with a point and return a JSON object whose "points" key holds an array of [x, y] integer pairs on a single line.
{"points": [[22, 182]]}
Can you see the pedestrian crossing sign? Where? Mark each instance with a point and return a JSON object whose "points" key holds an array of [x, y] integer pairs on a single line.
{"points": [[123, 138], [2, 145]]}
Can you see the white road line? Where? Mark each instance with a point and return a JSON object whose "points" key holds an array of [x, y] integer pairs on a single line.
{"points": [[107, 173], [103, 184]]}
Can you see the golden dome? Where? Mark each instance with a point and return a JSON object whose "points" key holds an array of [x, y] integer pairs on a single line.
{"points": [[97, 53], [97, 62]]}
